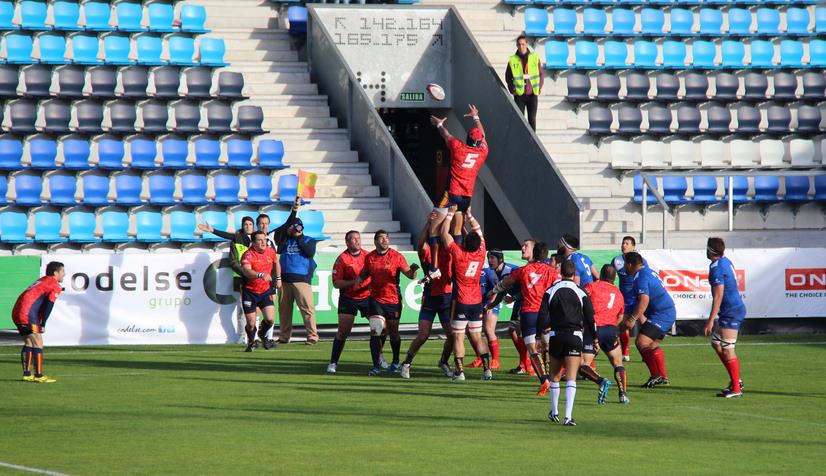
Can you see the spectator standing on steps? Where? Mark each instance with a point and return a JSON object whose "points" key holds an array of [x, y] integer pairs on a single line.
{"points": [[524, 79]]}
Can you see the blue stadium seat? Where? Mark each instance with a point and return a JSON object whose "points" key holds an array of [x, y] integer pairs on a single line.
{"points": [[62, 189], [110, 154], [212, 52], [4, 190], [76, 154], [128, 190], [95, 190], [586, 54], [161, 189], [116, 49], [652, 21], [733, 53], [11, 151], [47, 227], [791, 53], [239, 153], [820, 20], [193, 18], [7, 15], [650, 199], [148, 226], [149, 49], [740, 186], [226, 189], [674, 54], [259, 189], [313, 221], [33, 15], [207, 153], [659, 120], [193, 189], [645, 54], [768, 21], [629, 118], [82, 227], [52, 49], [765, 189], [682, 21], [181, 50], [705, 190], [556, 54], [622, 22], [142, 152], [97, 16], [85, 49], [594, 21], [817, 53], [762, 54], [271, 154], [218, 220], [599, 120], [287, 188], [66, 15], [616, 54], [161, 16], [797, 21], [536, 22], [674, 189], [668, 87], [174, 153], [703, 54], [564, 22], [28, 189], [19, 49], [129, 16], [115, 226], [719, 120], [797, 189], [42, 153], [820, 188], [13, 227], [739, 22], [297, 18], [182, 226], [711, 21]]}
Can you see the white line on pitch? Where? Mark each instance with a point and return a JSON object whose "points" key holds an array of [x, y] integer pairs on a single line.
{"points": [[30, 470], [755, 415], [740, 344]]}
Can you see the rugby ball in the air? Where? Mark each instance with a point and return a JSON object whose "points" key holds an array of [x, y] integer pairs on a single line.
{"points": [[436, 91]]}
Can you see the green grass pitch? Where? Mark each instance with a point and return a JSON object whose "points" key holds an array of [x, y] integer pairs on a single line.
{"points": [[217, 410]]}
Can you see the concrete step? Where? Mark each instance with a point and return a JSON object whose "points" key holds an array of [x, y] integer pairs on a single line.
{"points": [[358, 225], [271, 123], [321, 156], [376, 215], [255, 77], [332, 169], [262, 91], [351, 203], [277, 111], [248, 67], [257, 44], [236, 55], [344, 180], [344, 191], [296, 144]]}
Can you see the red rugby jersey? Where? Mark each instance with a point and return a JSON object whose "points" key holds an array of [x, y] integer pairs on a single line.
{"points": [[346, 268], [260, 263], [467, 268], [607, 301], [534, 279], [385, 269], [443, 285], [34, 298], [465, 162]]}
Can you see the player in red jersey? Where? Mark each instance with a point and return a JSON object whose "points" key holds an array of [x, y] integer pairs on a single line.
{"points": [[534, 279], [609, 310], [263, 273], [465, 161], [352, 299], [30, 313], [468, 261], [383, 265], [436, 298]]}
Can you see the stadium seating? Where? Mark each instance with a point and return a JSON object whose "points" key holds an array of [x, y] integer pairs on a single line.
{"points": [[259, 189], [62, 189], [13, 226], [313, 221], [128, 189], [28, 189], [182, 226], [226, 189], [271, 154], [218, 220], [115, 226], [47, 226], [82, 226], [161, 189], [193, 189], [148, 226], [95, 190]]}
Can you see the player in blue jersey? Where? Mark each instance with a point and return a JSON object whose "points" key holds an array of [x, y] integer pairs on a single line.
{"points": [[495, 273], [656, 314], [626, 287], [727, 304], [568, 247]]}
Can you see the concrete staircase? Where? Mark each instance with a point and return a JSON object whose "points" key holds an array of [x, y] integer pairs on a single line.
{"points": [[259, 47], [606, 195]]}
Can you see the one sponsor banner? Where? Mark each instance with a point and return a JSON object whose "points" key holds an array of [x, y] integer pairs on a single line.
{"points": [[779, 282]]}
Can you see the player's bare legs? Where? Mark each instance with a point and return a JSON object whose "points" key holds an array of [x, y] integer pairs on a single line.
{"points": [[481, 348], [395, 342], [570, 364], [656, 367], [489, 328], [723, 341]]}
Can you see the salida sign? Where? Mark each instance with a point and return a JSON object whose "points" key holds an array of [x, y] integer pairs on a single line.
{"points": [[686, 280]]}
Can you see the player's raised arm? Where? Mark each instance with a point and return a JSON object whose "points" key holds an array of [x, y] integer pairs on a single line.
{"points": [[420, 242], [447, 239], [440, 126], [474, 225], [473, 113]]}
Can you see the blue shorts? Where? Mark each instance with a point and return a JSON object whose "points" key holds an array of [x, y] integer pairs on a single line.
{"points": [[436, 305], [528, 323], [607, 337], [251, 301], [448, 199], [353, 307], [731, 323], [391, 312]]}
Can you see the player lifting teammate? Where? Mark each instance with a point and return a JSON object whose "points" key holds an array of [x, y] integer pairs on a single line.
{"points": [[383, 265], [728, 305], [496, 271], [263, 279], [626, 287]]}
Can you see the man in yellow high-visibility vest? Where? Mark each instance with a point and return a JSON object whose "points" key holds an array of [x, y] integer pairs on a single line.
{"points": [[524, 79]]}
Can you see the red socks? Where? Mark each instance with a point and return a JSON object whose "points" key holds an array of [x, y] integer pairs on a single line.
{"points": [[733, 367], [625, 338], [648, 358], [523, 351], [494, 349], [659, 358]]}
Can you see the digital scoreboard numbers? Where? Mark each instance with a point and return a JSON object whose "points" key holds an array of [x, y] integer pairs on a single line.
{"points": [[395, 53]]}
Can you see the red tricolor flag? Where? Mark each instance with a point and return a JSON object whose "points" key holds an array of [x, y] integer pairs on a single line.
{"points": [[306, 184]]}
